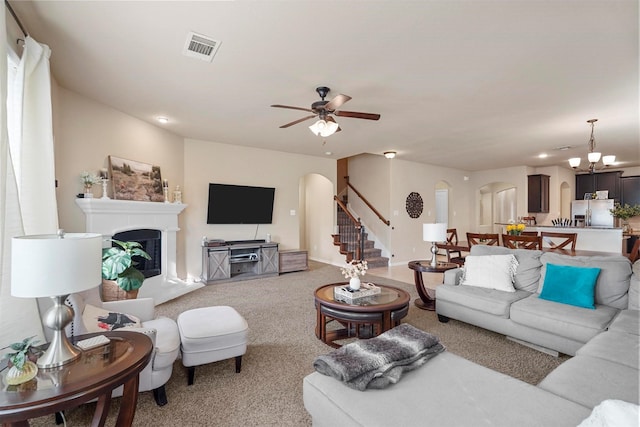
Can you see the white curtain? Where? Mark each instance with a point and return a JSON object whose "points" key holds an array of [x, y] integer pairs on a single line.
{"points": [[27, 174]]}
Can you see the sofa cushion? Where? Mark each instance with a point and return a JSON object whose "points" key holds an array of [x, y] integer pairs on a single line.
{"points": [[612, 412], [627, 321], [570, 285], [612, 285], [482, 299], [614, 346], [590, 380], [490, 271], [528, 272], [567, 321]]}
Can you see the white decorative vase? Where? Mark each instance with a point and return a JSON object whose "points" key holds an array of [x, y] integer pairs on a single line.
{"points": [[354, 283]]}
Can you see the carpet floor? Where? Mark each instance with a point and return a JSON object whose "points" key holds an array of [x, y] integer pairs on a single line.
{"points": [[281, 349]]}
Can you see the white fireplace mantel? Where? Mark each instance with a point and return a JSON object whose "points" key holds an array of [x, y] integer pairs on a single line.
{"points": [[108, 217]]}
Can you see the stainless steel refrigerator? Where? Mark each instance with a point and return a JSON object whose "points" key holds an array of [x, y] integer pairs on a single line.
{"points": [[595, 213]]}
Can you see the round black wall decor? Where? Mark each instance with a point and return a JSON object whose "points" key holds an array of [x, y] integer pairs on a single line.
{"points": [[414, 205]]}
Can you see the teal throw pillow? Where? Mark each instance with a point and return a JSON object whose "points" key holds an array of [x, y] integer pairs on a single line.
{"points": [[570, 285]]}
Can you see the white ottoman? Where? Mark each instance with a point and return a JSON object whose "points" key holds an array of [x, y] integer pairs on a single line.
{"points": [[210, 334]]}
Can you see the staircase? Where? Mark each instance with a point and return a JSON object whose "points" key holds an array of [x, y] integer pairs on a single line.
{"points": [[347, 240]]}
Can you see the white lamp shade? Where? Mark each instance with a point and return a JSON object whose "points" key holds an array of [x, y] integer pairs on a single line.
{"points": [[434, 232], [608, 160], [574, 162], [47, 265], [593, 157]]}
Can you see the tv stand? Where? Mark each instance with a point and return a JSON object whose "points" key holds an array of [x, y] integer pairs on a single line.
{"points": [[239, 260]]}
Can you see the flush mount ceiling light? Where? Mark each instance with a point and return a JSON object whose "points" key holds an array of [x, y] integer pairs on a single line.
{"points": [[162, 119], [389, 154], [592, 156], [324, 128]]}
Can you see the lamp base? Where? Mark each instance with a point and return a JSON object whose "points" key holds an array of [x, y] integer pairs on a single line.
{"points": [[434, 252], [60, 350]]}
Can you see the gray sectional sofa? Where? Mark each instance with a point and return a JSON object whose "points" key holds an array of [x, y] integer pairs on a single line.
{"points": [[451, 391]]}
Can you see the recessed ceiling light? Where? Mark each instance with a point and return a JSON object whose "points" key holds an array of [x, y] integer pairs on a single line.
{"points": [[543, 155], [162, 120], [328, 153]]}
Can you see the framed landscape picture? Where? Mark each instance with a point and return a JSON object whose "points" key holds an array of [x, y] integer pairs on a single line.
{"points": [[133, 180]]}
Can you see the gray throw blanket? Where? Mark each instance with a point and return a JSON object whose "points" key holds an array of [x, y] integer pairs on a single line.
{"points": [[379, 361]]}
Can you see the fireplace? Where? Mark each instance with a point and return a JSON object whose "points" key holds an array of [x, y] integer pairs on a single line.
{"points": [[150, 242], [152, 223]]}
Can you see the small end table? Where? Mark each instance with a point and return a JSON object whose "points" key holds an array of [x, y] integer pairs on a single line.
{"points": [[424, 266]]}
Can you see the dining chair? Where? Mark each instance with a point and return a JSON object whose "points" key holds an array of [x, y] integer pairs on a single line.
{"points": [[452, 239], [634, 255], [491, 239], [529, 233], [559, 240], [521, 241]]}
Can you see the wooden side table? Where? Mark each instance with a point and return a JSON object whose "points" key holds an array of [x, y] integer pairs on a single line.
{"points": [[424, 266], [94, 375]]}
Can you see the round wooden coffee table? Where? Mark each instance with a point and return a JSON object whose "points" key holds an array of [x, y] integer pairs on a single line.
{"points": [[361, 318], [424, 266]]}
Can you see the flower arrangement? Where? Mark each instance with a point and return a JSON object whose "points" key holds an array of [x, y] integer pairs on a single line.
{"points": [[88, 179], [515, 229], [625, 212], [354, 269]]}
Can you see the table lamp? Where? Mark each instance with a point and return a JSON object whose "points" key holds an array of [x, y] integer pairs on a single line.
{"points": [[434, 233], [55, 266]]}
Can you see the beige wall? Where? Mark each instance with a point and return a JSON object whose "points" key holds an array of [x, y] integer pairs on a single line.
{"points": [[209, 162], [87, 132], [388, 189]]}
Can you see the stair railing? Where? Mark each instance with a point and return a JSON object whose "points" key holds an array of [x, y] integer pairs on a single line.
{"points": [[351, 229], [369, 205]]}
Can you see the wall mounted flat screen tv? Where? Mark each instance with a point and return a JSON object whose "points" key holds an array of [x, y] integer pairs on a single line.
{"points": [[240, 204]]}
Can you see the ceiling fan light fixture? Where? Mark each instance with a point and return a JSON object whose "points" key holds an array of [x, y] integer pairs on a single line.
{"points": [[324, 128], [389, 154]]}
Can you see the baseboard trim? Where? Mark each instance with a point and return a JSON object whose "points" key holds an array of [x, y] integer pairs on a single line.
{"points": [[535, 347]]}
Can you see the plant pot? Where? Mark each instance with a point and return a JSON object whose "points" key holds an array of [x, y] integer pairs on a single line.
{"points": [[17, 376], [112, 292]]}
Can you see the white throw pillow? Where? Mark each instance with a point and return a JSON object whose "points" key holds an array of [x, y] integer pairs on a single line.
{"points": [[97, 319], [490, 271]]}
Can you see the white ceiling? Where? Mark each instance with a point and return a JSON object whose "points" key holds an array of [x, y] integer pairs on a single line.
{"points": [[464, 84]]}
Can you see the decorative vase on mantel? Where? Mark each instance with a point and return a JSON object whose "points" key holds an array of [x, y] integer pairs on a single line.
{"points": [[354, 283], [88, 194], [112, 292]]}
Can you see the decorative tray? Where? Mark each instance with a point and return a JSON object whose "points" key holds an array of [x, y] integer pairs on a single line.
{"points": [[344, 293]]}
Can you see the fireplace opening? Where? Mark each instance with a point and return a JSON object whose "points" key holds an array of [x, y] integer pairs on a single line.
{"points": [[151, 241]]}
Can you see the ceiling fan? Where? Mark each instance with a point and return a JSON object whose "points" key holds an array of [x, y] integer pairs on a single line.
{"points": [[326, 124]]}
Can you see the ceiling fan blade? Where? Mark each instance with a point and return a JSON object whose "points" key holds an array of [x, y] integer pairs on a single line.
{"points": [[297, 121], [292, 108], [356, 115], [336, 102]]}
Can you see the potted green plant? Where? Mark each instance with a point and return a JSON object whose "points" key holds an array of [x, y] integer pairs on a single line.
{"points": [[21, 361], [121, 278], [624, 213]]}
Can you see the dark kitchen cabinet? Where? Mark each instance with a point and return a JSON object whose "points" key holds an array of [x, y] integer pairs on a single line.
{"points": [[590, 183], [538, 200], [630, 190]]}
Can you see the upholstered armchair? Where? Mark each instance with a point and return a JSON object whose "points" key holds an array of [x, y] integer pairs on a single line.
{"points": [[162, 331]]}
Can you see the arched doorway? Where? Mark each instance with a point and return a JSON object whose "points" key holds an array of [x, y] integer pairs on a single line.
{"points": [[497, 204]]}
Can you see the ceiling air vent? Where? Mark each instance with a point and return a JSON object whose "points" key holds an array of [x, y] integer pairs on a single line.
{"points": [[201, 47]]}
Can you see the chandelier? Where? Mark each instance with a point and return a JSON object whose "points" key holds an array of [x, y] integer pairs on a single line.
{"points": [[592, 156]]}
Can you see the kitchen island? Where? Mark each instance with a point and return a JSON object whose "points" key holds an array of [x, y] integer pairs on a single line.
{"points": [[600, 239]]}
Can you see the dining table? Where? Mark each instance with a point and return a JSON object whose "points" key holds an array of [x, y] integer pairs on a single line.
{"points": [[464, 246]]}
